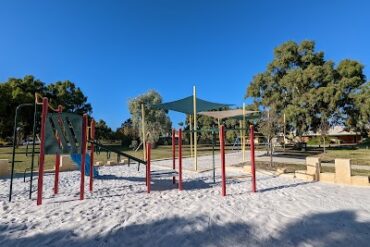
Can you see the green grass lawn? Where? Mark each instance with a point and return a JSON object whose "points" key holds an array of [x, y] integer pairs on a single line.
{"points": [[161, 152], [360, 156]]}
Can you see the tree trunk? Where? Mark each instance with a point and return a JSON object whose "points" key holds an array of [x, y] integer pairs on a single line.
{"points": [[324, 145], [270, 153]]}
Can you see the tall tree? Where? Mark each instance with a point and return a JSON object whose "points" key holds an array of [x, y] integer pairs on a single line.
{"points": [[66, 93], [312, 92], [102, 131], [156, 121], [17, 91]]}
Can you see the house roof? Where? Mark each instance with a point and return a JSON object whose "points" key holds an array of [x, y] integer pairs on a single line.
{"points": [[334, 131]]}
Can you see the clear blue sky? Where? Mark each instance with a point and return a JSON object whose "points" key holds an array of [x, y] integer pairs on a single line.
{"points": [[115, 50]]}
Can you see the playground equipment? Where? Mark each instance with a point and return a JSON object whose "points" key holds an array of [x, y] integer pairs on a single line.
{"points": [[60, 133], [191, 106], [223, 160], [166, 173]]}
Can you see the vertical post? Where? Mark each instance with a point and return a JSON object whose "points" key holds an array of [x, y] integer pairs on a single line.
{"points": [[83, 157], [195, 129], [143, 130], [243, 131], [284, 131], [148, 166], [253, 163], [40, 181], [213, 155], [241, 137], [92, 149], [57, 155], [33, 146], [180, 158], [191, 136], [13, 155], [173, 153], [222, 152]]}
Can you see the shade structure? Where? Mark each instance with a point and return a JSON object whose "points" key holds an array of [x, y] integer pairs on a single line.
{"points": [[233, 113], [186, 105]]}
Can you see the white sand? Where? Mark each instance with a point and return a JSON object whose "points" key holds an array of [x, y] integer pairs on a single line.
{"points": [[285, 212]]}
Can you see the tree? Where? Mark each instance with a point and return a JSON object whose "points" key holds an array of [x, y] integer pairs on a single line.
{"points": [[18, 91], [360, 117], [156, 121], [311, 92], [270, 126], [13, 93], [66, 93], [102, 131], [127, 133]]}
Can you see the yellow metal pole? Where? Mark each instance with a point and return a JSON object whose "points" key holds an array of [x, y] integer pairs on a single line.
{"points": [[195, 129], [244, 131], [241, 134], [191, 135], [143, 130]]}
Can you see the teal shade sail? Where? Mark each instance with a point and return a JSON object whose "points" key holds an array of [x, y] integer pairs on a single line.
{"points": [[186, 106]]}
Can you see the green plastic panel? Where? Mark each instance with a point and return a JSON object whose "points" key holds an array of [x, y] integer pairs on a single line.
{"points": [[68, 126]]}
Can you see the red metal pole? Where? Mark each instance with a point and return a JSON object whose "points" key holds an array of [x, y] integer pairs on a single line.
{"points": [[253, 163], [40, 181], [148, 147], [173, 153], [180, 158], [83, 157], [57, 156], [222, 152], [92, 137]]}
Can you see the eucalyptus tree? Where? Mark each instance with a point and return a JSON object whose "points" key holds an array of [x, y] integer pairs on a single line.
{"points": [[311, 92]]}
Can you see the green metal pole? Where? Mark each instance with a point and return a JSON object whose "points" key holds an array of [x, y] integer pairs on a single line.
{"points": [[14, 144]]}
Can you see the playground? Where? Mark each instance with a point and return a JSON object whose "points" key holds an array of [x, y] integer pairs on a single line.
{"points": [[120, 212], [218, 198]]}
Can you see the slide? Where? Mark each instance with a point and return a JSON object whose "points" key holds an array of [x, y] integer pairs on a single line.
{"points": [[76, 158]]}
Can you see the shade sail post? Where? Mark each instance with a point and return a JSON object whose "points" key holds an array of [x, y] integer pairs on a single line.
{"points": [[243, 127], [143, 130], [191, 135], [195, 128]]}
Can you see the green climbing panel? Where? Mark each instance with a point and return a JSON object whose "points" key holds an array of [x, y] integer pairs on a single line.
{"points": [[68, 126]]}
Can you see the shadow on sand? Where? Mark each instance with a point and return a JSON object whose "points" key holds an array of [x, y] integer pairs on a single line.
{"points": [[324, 229]]}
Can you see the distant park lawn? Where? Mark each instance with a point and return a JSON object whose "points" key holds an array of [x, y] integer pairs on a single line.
{"points": [[359, 155], [23, 161]]}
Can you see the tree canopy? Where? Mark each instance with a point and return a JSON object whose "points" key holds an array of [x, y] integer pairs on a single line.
{"points": [[16, 91], [312, 92], [156, 121]]}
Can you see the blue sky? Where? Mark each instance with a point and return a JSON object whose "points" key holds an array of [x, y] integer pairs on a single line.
{"points": [[115, 50]]}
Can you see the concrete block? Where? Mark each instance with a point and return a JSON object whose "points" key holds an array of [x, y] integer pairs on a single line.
{"points": [[247, 169], [287, 175], [122, 162], [343, 171], [313, 167], [111, 163], [98, 163], [327, 177], [302, 174], [360, 180], [4, 168], [282, 170]]}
